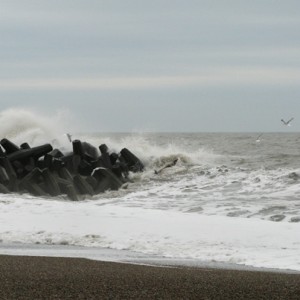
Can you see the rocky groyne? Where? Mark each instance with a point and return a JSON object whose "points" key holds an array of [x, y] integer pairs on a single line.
{"points": [[44, 171]]}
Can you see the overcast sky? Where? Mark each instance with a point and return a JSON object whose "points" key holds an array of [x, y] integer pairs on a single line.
{"points": [[159, 65]]}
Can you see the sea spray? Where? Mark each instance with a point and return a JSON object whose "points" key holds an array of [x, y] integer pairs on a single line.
{"points": [[35, 127]]}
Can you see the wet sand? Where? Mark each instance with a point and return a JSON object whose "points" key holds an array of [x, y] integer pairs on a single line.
{"points": [[27, 277]]}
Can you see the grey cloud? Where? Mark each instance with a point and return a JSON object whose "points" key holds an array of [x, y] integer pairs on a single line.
{"points": [[195, 61]]}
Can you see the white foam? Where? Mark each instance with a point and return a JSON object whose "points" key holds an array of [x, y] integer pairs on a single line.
{"points": [[27, 125], [155, 151], [165, 233], [149, 217], [36, 127]]}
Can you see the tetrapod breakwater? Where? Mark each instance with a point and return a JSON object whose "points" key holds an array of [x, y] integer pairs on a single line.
{"points": [[47, 171]]}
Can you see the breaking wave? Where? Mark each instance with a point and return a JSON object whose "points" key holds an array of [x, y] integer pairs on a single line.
{"points": [[24, 125]]}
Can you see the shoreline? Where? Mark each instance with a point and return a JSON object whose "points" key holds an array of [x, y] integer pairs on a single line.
{"points": [[125, 257], [33, 277]]}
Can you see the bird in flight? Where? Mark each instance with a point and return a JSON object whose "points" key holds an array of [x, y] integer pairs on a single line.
{"points": [[287, 123], [69, 136]]}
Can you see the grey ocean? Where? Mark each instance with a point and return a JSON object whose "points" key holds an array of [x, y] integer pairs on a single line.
{"points": [[231, 198], [232, 174]]}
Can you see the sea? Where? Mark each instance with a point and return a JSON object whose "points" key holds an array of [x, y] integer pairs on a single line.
{"points": [[232, 199]]}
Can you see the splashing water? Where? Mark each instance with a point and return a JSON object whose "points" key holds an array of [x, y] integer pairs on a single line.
{"points": [[228, 199], [23, 125]]}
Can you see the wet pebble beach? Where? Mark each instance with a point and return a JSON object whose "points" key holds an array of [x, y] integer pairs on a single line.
{"points": [[25, 277]]}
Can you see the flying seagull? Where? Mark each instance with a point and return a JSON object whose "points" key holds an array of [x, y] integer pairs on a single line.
{"points": [[69, 136], [288, 123]]}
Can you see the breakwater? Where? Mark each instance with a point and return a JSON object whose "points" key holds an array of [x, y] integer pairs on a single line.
{"points": [[45, 171]]}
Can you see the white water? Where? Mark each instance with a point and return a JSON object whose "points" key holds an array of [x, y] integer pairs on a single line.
{"points": [[213, 206], [170, 234]]}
